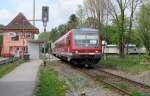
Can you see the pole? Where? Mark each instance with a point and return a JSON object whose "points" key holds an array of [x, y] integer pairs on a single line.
{"points": [[45, 41], [45, 58], [23, 41], [33, 12], [44, 29]]}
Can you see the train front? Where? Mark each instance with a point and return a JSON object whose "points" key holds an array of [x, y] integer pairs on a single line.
{"points": [[86, 46]]}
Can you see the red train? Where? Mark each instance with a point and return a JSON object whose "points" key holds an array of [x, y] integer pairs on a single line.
{"points": [[79, 46]]}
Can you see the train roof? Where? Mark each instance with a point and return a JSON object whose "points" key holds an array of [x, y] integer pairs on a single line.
{"points": [[85, 29]]}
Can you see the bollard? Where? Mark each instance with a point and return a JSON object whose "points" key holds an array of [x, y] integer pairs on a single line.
{"points": [[44, 62], [83, 94]]}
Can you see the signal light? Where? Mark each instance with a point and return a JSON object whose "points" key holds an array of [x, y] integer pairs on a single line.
{"points": [[76, 52], [96, 51], [45, 13]]}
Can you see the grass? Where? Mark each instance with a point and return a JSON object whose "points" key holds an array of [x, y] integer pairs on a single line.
{"points": [[131, 64], [123, 86], [49, 84], [4, 69], [135, 93]]}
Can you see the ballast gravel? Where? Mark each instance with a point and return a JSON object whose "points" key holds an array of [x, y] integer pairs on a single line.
{"points": [[78, 83]]}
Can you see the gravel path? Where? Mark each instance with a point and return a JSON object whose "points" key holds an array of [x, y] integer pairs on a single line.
{"points": [[79, 83]]}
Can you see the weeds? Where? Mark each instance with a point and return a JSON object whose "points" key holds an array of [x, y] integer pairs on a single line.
{"points": [[135, 93], [124, 86], [130, 64], [49, 85], [4, 69]]}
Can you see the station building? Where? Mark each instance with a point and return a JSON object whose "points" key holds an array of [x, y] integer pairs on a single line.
{"points": [[16, 35]]}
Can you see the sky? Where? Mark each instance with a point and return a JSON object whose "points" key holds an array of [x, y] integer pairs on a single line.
{"points": [[59, 10]]}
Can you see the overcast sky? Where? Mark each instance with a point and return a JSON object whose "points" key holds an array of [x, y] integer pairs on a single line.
{"points": [[59, 10]]}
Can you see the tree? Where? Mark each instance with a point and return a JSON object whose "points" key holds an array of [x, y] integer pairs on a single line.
{"points": [[44, 36], [133, 4], [91, 22], [60, 30], [144, 25], [112, 36], [53, 34], [118, 9], [73, 22], [96, 9], [80, 14]]}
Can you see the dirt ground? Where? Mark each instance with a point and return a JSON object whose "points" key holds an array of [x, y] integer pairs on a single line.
{"points": [[79, 83]]}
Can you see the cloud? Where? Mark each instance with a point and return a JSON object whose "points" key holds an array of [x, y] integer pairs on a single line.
{"points": [[5, 16], [62, 9], [59, 11]]}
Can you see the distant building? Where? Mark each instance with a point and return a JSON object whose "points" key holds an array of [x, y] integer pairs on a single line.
{"points": [[114, 49], [16, 34]]}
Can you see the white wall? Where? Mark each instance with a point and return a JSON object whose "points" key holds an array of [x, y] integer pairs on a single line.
{"points": [[33, 50]]}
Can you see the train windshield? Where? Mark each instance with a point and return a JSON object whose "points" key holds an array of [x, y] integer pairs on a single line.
{"points": [[86, 39]]}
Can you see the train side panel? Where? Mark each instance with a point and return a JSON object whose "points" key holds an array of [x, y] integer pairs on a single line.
{"points": [[61, 48]]}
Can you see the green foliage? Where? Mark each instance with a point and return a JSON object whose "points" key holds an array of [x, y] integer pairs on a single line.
{"points": [[134, 38], [111, 35], [73, 22], [44, 36], [49, 84], [56, 32], [124, 86], [135, 93], [4, 69], [131, 64], [144, 26]]}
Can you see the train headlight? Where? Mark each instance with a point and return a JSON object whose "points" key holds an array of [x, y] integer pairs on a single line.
{"points": [[96, 51], [76, 52]]}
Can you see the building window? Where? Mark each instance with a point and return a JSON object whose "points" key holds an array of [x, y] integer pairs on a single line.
{"points": [[16, 38], [28, 35]]}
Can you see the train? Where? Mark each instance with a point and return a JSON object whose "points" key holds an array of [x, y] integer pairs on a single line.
{"points": [[82, 46]]}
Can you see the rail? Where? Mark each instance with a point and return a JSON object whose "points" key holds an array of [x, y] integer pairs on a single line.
{"points": [[142, 87]]}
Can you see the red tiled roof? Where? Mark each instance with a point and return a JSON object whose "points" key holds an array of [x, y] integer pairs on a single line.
{"points": [[20, 23]]}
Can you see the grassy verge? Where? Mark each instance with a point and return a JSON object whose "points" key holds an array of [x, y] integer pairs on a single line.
{"points": [[49, 85], [131, 64], [4, 69]]}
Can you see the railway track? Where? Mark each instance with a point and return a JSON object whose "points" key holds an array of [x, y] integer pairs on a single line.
{"points": [[93, 75], [96, 75], [131, 84], [111, 80]]}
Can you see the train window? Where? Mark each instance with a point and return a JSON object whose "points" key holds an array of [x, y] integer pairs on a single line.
{"points": [[93, 41], [86, 39], [80, 37], [92, 37]]}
